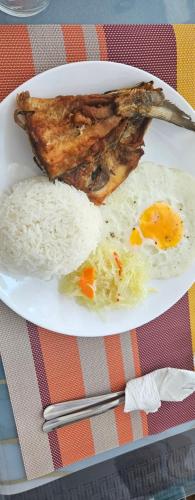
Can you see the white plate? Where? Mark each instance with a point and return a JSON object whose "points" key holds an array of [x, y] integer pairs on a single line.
{"points": [[39, 301]]}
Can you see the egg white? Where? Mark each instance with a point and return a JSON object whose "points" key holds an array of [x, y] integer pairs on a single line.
{"points": [[148, 184]]}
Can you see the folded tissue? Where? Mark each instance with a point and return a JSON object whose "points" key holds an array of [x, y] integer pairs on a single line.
{"points": [[166, 384]]}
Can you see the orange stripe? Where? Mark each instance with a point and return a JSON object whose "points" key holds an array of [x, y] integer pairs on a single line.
{"points": [[16, 51], [74, 43], [135, 353], [138, 374], [117, 382], [75, 442], [65, 382], [123, 424], [102, 42], [62, 362]]}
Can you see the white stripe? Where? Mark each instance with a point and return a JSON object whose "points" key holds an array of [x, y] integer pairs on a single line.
{"points": [[91, 42], [129, 368], [24, 393], [96, 380], [47, 44]]}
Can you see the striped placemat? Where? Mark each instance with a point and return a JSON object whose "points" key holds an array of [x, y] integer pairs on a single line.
{"points": [[43, 367]]}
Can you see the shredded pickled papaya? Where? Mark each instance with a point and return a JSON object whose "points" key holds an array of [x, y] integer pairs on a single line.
{"points": [[112, 276]]}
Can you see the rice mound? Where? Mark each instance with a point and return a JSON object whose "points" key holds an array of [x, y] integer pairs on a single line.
{"points": [[46, 229]]}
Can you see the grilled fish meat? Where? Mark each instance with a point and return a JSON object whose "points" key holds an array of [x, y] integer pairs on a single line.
{"points": [[94, 141], [101, 174]]}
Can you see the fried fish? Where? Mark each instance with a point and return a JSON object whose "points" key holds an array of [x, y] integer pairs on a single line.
{"points": [[94, 141]]}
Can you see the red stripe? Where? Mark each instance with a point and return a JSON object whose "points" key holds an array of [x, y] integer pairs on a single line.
{"points": [[39, 364], [43, 389], [166, 341], [150, 47]]}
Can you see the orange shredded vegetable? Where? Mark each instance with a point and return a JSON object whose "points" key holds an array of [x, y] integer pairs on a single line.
{"points": [[86, 282], [118, 263]]}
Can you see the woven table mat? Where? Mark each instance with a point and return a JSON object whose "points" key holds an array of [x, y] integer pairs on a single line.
{"points": [[42, 367]]}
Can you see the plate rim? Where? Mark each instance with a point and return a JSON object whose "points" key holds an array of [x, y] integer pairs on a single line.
{"points": [[7, 99], [78, 63]]}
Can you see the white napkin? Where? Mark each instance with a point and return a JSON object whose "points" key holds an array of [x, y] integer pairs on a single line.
{"points": [[167, 384]]}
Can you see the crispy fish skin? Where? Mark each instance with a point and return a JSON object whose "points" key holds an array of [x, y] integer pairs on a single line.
{"points": [[94, 141], [122, 159], [120, 171], [102, 174], [58, 142], [92, 174]]}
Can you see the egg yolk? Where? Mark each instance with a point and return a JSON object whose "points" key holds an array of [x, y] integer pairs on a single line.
{"points": [[160, 223]]}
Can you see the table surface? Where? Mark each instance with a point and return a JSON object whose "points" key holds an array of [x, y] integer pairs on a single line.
{"points": [[111, 11], [12, 474]]}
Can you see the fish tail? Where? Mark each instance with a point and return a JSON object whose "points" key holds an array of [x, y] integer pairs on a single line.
{"points": [[171, 113]]}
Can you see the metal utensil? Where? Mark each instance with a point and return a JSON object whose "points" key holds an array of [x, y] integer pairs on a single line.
{"points": [[68, 407], [91, 411]]}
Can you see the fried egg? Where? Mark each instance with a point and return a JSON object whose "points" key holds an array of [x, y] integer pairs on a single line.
{"points": [[153, 212]]}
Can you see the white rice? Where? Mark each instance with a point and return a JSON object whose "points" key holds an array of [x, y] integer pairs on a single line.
{"points": [[46, 229]]}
